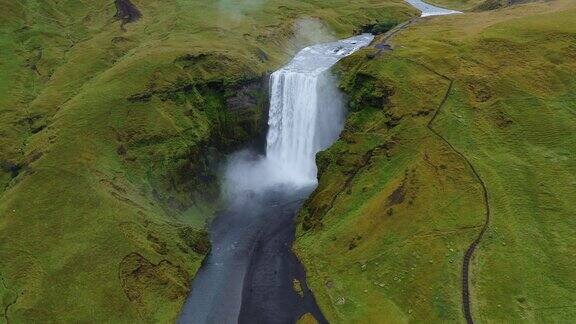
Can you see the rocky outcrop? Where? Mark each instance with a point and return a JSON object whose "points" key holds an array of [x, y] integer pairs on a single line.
{"points": [[233, 114], [149, 286], [126, 11]]}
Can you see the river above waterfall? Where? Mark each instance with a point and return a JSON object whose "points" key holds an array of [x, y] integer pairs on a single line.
{"points": [[430, 10]]}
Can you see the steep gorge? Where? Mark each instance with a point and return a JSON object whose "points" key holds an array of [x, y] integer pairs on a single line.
{"points": [[112, 129]]}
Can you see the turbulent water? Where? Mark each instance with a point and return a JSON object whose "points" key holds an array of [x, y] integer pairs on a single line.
{"points": [[250, 273], [306, 116], [306, 113]]}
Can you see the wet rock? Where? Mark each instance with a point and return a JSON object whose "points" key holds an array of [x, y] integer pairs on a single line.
{"points": [[126, 11], [198, 241], [11, 167], [397, 196], [245, 97]]}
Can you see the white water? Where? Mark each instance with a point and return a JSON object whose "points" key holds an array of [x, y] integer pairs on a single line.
{"points": [[306, 116], [430, 10]]}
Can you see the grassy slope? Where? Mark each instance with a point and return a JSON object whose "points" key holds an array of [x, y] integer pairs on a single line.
{"points": [[389, 247], [92, 185], [475, 5], [459, 4]]}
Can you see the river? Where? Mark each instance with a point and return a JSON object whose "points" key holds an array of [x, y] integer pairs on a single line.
{"points": [[251, 274]]}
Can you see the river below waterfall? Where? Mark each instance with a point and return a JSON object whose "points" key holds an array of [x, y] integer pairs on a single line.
{"points": [[251, 274]]}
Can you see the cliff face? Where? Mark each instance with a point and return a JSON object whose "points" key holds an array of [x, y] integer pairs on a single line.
{"points": [[460, 134], [114, 117]]}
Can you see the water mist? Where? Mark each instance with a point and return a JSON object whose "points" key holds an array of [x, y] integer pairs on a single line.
{"points": [[306, 116]]}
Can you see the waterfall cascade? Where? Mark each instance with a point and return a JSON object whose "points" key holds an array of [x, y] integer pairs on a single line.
{"points": [[306, 109]]}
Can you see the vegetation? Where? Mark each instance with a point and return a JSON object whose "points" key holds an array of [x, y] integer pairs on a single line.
{"points": [[463, 4], [379, 27], [111, 125], [463, 103]]}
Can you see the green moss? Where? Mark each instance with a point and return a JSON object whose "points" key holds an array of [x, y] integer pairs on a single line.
{"points": [[379, 27], [197, 241]]}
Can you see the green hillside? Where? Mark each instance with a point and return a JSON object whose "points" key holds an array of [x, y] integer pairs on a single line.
{"points": [[111, 126], [467, 105], [115, 117]]}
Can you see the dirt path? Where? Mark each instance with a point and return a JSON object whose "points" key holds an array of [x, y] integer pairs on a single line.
{"points": [[10, 304], [466, 304], [383, 46]]}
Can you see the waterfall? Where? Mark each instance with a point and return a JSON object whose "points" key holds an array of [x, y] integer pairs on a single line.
{"points": [[293, 114], [306, 109]]}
